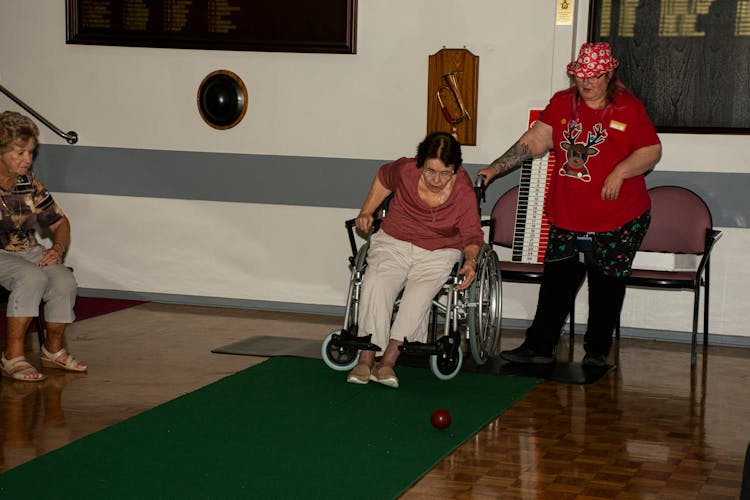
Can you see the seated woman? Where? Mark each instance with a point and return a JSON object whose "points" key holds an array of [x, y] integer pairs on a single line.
{"points": [[30, 271], [431, 220]]}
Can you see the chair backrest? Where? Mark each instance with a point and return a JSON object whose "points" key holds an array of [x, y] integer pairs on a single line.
{"points": [[679, 220], [504, 214]]}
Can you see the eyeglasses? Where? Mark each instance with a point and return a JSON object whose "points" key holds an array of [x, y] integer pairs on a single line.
{"points": [[443, 174], [597, 77]]}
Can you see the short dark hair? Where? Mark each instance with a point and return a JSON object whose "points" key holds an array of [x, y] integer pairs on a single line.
{"points": [[442, 146]]}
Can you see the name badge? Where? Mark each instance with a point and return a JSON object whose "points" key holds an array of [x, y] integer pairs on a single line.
{"points": [[618, 125]]}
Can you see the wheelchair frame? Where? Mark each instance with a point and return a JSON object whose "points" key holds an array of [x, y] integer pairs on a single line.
{"points": [[479, 307]]}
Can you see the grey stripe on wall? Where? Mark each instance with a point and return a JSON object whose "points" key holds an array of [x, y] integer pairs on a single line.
{"points": [[297, 180]]}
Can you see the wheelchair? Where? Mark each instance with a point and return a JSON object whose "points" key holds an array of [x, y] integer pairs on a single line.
{"points": [[476, 311]]}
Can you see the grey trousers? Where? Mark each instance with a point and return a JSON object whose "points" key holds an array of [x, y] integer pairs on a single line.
{"points": [[393, 265], [30, 284]]}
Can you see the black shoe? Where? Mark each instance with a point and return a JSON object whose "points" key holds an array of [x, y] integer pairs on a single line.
{"points": [[525, 355], [594, 360]]}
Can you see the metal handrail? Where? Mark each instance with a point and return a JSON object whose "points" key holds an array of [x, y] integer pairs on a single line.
{"points": [[71, 136]]}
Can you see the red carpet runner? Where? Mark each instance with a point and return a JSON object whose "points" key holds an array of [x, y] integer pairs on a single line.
{"points": [[86, 307]]}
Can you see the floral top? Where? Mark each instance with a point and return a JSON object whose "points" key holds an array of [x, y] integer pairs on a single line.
{"points": [[27, 205]]}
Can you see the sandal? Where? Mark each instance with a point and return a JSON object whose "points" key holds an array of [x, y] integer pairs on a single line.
{"points": [[20, 369], [71, 364]]}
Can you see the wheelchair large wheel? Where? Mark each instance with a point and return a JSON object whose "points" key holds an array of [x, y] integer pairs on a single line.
{"points": [[485, 316], [446, 367], [342, 358]]}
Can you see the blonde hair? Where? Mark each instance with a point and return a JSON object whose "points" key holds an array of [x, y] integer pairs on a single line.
{"points": [[15, 126]]}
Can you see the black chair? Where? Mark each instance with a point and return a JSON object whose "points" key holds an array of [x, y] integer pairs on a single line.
{"points": [[681, 223], [502, 234], [38, 321]]}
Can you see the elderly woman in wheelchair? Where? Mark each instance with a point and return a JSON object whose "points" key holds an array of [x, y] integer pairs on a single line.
{"points": [[431, 241]]}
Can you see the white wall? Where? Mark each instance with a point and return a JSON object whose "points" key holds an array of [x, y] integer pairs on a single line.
{"points": [[368, 105]]}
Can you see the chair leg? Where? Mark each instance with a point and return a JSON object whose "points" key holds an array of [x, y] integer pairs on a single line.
{"points": [[40, 328], [745, 488], [694, 343], [707, 285]]}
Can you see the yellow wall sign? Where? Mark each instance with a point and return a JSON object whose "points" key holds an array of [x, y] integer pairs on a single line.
{"points": [[564, 15]]}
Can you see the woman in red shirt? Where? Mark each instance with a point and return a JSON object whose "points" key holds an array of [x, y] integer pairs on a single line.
{"points": [[431, 221], [597, 201]]}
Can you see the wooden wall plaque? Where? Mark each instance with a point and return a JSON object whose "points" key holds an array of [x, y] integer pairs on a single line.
{"points": [[452, 84]]}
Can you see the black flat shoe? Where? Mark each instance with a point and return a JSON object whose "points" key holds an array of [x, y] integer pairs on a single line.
{"points": [[525, 355], [594, 360]]}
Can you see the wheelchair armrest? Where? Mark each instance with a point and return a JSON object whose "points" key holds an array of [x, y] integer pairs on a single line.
{"points": [[454, 271], [349, 225]]}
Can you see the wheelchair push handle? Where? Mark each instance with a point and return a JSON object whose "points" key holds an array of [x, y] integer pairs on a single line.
{"points": [[480, 188], [350, 227], [378, 218]]}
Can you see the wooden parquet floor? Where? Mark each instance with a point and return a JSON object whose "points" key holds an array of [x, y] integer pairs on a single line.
{"points": [[652, 429]]}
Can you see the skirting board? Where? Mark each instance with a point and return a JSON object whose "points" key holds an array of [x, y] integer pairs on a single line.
{"points": [[328, 310]]}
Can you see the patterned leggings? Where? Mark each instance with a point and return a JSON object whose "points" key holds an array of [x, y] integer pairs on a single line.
{"points": [[612, 251], [609, 259]]}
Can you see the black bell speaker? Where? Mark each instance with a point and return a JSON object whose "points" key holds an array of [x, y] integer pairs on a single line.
{"points": [[222, 99]]}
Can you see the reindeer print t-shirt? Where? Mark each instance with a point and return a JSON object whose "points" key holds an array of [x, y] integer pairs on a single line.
{"points": [[589, 143]]}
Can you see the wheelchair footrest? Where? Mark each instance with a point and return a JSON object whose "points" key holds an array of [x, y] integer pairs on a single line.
{"points": [[346, 339], [419, 348]]}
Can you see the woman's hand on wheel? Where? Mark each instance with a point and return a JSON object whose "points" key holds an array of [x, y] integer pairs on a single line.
{"points": [[469, 271]]}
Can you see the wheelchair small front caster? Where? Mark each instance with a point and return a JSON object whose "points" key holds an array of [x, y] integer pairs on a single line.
{"points": [[339, 357], [446, 365]]}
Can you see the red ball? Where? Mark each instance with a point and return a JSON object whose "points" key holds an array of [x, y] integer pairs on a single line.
{"points": [[441, 419]]}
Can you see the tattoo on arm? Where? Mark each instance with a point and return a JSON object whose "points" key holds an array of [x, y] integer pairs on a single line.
{"points": [[514, 157]]}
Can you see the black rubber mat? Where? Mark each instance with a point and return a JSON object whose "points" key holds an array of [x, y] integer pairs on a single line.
{"points": [[267, 346], [567, 372]]}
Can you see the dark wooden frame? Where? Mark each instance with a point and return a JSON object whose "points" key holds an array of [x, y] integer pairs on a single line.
{"points": [[679, 79], [323, 26]]}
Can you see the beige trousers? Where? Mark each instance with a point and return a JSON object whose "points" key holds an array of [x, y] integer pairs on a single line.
{"points": [[393, 265]]}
